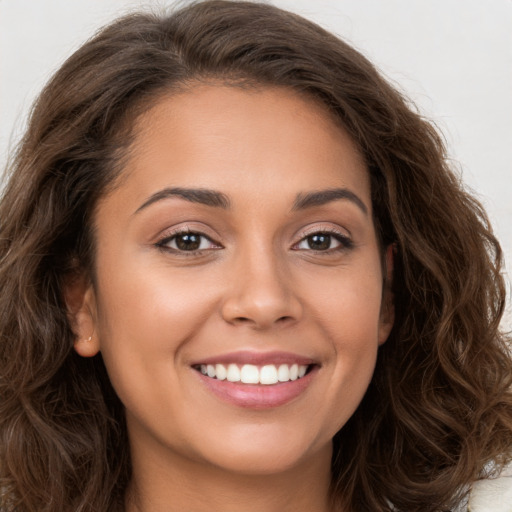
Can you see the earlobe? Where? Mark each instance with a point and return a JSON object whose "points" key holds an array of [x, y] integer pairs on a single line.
{"points": [[87, 347], [387, 311], [80, 302]]}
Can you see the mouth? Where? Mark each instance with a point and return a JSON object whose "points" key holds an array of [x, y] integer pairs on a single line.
{"points": [[257, 381]]}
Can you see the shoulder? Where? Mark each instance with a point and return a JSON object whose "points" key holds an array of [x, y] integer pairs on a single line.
{"points": [[492, 494]]}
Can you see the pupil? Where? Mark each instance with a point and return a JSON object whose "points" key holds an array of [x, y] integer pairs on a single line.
{"points": [[319, 242], [188, 242]]}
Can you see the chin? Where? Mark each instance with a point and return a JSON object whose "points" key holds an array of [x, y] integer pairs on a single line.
{"points": [[265, 451]]}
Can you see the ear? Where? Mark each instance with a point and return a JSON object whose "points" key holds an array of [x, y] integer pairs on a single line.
{"points": [[80, 302], [387, 309]]}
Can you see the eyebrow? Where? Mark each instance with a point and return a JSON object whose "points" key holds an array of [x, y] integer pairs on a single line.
{"points": [[194, 195], [321, 197], [217, 199]]}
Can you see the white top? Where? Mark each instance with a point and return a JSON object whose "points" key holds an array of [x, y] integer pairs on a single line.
{"points": [[492, 494]]}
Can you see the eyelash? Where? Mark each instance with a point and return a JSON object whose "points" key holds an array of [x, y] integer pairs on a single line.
{"points": [[345, 242], [163, 244]]}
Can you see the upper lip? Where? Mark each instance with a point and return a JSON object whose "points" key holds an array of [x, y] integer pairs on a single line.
{"points": [[256, 358]]}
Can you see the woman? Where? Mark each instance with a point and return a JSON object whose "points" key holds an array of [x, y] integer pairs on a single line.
{"points": [[238, 274]]}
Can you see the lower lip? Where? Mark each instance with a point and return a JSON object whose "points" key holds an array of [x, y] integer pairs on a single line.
{"points": [[258, 396]]}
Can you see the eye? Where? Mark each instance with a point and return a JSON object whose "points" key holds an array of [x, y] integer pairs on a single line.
{"points": [[324, 241], [187, 241]]}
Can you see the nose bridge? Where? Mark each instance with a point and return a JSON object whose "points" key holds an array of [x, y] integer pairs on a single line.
{"points": [[261, 288]]}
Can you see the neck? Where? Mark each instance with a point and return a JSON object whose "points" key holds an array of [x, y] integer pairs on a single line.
{"points": [[158, 486]]}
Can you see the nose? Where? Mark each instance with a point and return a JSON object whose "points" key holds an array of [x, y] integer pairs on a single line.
{"points": [[260, 293]]}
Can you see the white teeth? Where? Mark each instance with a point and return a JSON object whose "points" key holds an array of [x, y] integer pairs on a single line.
{"points": [[221, 372], [252, 374], [268, 374], [233, 373], [283, 373], [249, 374]]}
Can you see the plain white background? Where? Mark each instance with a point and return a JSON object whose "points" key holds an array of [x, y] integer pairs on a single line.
{"points": [[453, 58]]}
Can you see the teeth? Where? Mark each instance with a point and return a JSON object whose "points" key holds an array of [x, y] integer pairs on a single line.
{"points": [[252, 374], [233, 373], [283, 373], [220, 371], [249, 374], [268, 374]]}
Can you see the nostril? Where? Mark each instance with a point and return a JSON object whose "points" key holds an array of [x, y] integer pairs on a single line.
{"points": [[241, 319]]}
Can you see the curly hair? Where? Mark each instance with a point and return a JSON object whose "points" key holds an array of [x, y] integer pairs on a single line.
{"points": [[439, 407]]}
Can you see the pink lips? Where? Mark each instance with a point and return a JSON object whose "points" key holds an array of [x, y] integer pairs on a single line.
{"points": [[256, 358], [257, 396]]}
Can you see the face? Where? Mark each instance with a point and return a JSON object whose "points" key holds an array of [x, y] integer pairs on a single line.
{"points": [[238, 301]]}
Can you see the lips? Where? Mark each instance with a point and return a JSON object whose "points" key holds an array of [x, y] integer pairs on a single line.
{"points": [[257, 380]]}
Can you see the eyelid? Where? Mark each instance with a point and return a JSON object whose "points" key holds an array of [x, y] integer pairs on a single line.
{"points": [[323, 228]]}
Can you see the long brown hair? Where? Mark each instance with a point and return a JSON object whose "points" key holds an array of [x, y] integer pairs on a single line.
{"points": [[439, 407]]}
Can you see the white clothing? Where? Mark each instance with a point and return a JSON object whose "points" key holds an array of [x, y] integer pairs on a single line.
{"points": [[492, 494]]}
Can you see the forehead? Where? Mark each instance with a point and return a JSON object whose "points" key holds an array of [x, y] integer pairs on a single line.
{"points": [[241, 139]]}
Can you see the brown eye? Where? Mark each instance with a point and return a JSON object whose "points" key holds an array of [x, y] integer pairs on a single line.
{"points": [[319, 241], [187, 241], [324, 241]]}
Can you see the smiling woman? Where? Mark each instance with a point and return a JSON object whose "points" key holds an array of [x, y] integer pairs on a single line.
{"points": [[237, 274], [267, 280]]}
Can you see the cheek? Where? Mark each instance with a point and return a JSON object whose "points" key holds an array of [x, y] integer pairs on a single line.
{"points": [[145, 315], [347, 310], [151, 303], [348, 301]]}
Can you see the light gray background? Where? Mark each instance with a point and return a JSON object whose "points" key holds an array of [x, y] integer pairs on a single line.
{"points": [[453, 58]]}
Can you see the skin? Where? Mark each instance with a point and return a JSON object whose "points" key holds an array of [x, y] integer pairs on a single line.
{"points": [[255, 285]]}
